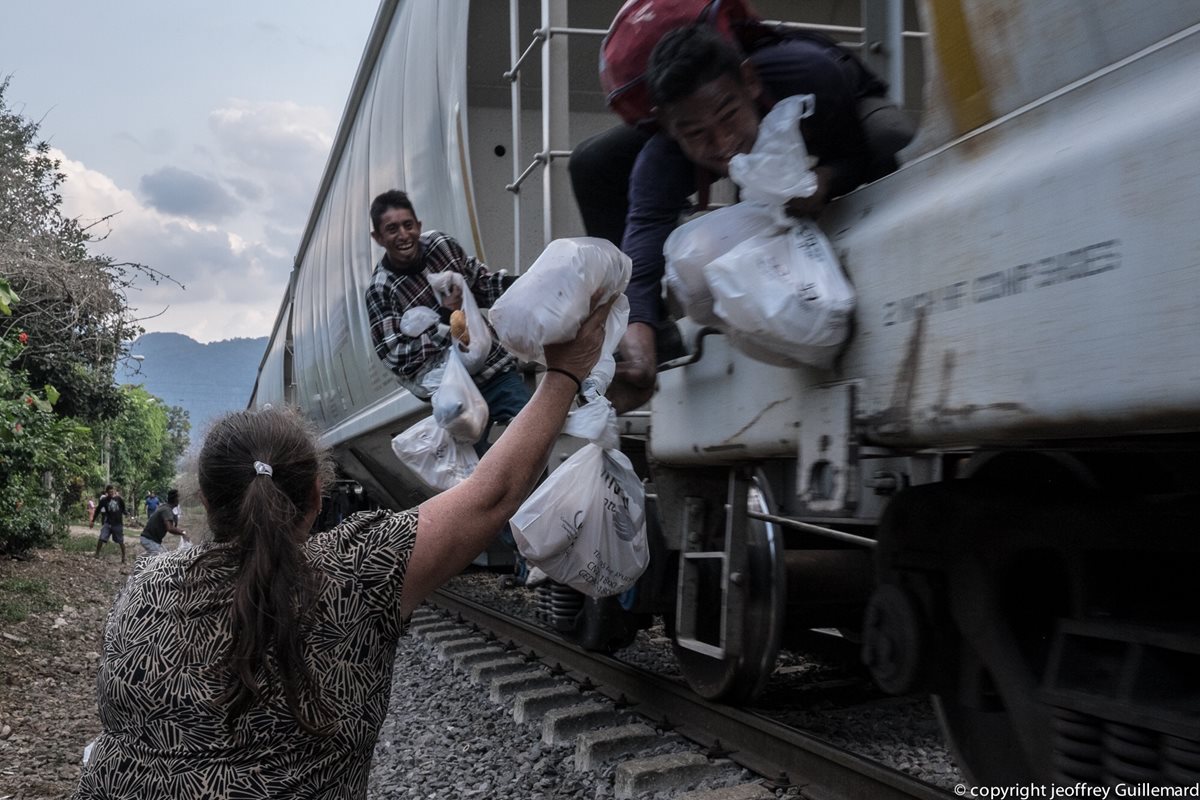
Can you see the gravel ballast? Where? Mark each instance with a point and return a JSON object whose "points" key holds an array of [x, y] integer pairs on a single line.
{"points": [[901, 733], [444, 737]]}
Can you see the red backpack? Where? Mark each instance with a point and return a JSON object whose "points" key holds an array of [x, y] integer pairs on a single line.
{"points": [[638, 27]]}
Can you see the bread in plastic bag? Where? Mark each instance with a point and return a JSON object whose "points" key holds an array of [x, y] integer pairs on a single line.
{"points": [[784, 296], [693, 245], [776, 168], [550, 300], [458, 405], [474, 355], [432, 453], [585, 526]]}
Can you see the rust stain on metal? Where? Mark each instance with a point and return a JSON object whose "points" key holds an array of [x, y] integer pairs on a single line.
{"points": [[940, 412], [897, 417], [748, 425], [962, 75], [947, 380]]}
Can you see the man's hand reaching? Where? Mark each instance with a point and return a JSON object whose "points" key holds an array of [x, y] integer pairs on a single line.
{"points": [[453, 298], [815, 203]]}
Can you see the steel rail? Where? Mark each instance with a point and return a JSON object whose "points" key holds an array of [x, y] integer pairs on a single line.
{"points": [[781, 754]]}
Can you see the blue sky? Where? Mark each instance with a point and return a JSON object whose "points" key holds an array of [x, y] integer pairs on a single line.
{"points": [[203, 125]]}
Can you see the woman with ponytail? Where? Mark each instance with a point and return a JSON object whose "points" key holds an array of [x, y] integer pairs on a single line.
{"points": [[259, 664]]}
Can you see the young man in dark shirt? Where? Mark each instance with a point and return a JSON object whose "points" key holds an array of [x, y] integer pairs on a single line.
{"points": [[162, 522], [400, 284], [111, 510], [709, 101]]}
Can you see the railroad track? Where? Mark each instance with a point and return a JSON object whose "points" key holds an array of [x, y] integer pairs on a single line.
{"points": [[783, 756]]}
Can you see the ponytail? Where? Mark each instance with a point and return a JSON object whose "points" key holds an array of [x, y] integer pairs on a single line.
{"points": [[262, 513]]}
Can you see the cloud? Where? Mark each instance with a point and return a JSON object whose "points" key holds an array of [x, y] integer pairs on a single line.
{"points": [[186, 194], [234, 285], [281, 146], [273, 135], [225, 221], [247, 190]]}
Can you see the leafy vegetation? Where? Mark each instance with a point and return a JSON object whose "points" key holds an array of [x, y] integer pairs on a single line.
{"points": [[65, 427]]}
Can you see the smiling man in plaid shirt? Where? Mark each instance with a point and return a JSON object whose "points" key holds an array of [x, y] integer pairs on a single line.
{"points": [[399, 285]]}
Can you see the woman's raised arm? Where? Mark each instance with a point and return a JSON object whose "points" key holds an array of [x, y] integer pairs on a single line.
{"points": [[455, 526]]}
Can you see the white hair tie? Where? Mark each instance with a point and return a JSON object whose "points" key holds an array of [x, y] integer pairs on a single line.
{"points": [[263, 469]]}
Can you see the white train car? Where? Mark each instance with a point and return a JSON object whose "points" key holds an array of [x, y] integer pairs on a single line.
{"points": [[1009, 442]]}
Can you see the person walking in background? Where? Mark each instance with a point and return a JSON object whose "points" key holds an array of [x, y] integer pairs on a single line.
{"points": [[111, 511], [162, 522], [91, 511], [270, 651], [152, 502]]}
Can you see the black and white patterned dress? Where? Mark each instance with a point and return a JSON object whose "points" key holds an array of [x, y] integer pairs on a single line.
{"points": [[163, 669]]}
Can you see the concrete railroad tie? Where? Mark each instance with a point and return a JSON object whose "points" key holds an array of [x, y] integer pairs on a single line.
{"points": [[602, 733]]}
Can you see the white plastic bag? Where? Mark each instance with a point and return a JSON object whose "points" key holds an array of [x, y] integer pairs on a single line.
{"points": [[417, 320], [776, 169], [433, 454], [474, 356], [550, 300], [784, 296], [429, 378], [596, 421], [457, 404], [692, 246], [585, 526]]}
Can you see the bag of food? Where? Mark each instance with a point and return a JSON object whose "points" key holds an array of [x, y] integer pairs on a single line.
{"points": [[784, 297], [418, 320], [776, 169], [585, 526], [469, 331], [550, 300], [434, 455], [458, 405], [694, 245]]}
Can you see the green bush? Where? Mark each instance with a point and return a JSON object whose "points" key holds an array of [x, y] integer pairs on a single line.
{"points": [[39, 451]]}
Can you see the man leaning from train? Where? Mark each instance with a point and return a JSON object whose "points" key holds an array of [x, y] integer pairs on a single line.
{"points": [[633, 186], [400, 284]]}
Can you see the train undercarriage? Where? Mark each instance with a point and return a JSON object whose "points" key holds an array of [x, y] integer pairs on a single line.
{"points": [[1045, 600]]}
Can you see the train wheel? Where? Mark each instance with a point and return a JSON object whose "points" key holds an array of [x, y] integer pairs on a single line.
{"points": [[737, 678], [984, 743]]}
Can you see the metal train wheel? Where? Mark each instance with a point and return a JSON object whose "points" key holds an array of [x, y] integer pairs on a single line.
{"points": [[740, 677], [984, 743]]}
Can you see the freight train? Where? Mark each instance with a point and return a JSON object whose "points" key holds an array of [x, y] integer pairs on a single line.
{"points": [[995, 487]]}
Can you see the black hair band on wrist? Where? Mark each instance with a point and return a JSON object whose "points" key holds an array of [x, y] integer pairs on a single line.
{"points": [[560, 371]]}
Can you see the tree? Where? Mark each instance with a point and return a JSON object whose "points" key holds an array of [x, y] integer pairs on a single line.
{"points": [[42, 455], [164, 473], [73, 304], [144, 442], [64, 324]]}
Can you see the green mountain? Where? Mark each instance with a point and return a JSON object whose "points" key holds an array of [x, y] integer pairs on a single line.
{"points": [[206, 379]]}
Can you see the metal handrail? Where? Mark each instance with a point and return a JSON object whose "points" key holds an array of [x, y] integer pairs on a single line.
{"points": [[539, 159], [579, 31], [512, 74], [697, 350], [515, 186], [808, 527], [850, 30]]}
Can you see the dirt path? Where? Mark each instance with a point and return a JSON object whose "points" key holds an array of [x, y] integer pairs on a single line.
{"points": [[48, 661]]}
